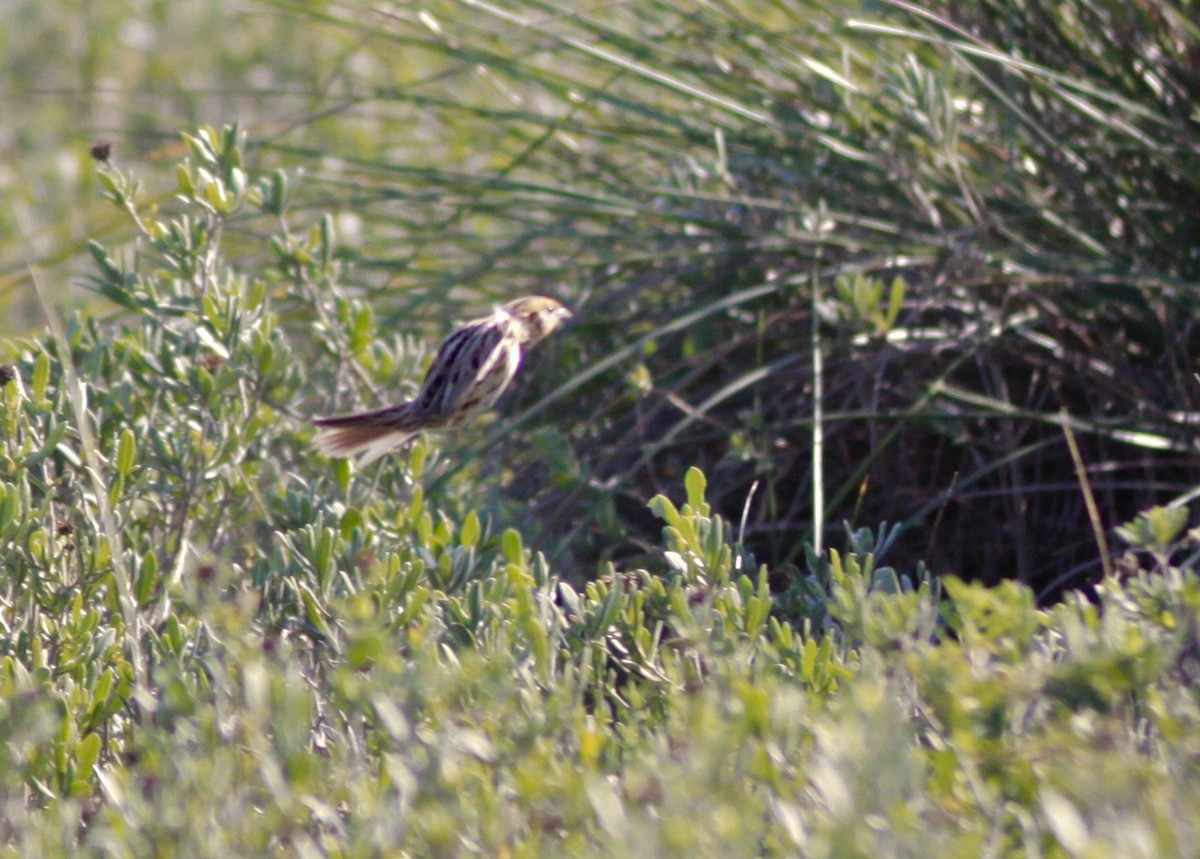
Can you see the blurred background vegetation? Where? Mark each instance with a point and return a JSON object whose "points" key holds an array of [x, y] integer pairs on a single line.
{"points": [[984, 213], [927, 265]]}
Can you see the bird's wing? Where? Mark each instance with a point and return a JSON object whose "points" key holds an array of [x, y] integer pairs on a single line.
{"points": [[494, 375], [463, 360]]}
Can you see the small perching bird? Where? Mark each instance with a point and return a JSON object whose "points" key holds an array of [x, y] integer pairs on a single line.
{"points": [[469, 373]]}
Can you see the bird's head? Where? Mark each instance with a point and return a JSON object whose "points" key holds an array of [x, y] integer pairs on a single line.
{"points": [[536, 317]]}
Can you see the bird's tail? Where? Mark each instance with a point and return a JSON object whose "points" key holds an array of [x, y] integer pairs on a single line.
{"points": [[369, 435]]}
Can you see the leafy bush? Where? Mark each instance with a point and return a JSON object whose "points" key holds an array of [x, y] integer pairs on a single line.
{"points": [[885, 263], [979, 210], [974, 209], [218, 642]]}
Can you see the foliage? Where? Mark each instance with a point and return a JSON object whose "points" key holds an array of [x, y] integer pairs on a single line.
{"points": [[976, 222], [217, 642], [130, 73], [856, 263], [977, 214]]}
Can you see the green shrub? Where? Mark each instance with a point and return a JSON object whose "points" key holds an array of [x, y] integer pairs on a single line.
{"points": [[217, 642], [976, 210], [220, 643]]}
